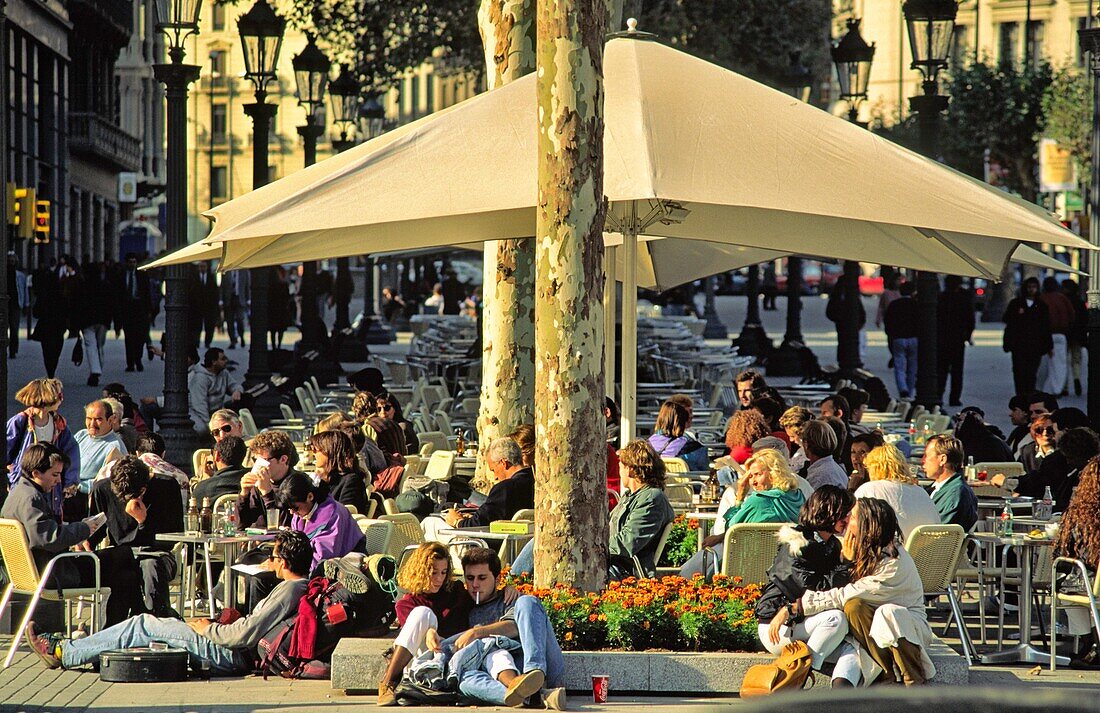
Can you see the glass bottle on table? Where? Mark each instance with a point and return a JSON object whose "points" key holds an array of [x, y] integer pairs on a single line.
{"points": [[1006, 521], [460, 444], [1044, 509], [206, 517], [191, 519]]}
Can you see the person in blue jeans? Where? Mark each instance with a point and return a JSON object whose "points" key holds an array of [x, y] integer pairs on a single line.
{"points": [[900, 322], [228, 649], [503, 675]]}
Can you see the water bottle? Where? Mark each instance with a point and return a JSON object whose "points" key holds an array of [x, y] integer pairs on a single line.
{"points": [[1044, 509], [1006, 521], [229, 519], [971, 472]]}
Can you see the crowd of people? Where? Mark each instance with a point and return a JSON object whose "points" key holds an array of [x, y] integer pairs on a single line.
{"points": [[842, 580]]}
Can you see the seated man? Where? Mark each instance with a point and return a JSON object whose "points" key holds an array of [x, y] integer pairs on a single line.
{"points": [[138, 507], [47, 536], [274, 457], [228, 454], [210, 386], [498, 680], [150, 449], [953, 496], [98, 445], [514, 490], [228, 648]]}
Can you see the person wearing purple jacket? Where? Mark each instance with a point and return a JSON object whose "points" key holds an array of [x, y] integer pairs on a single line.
{"points": [[40, 422], [329, 525]]}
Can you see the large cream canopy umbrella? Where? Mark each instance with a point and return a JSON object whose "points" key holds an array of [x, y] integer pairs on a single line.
{"points": [[691, 150]]}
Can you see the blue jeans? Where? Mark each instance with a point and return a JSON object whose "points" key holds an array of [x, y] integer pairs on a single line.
{"points": [[540, 651], [524, 563], [905, 365], [144, 629]]}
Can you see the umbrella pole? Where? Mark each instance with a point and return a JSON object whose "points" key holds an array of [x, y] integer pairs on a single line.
{"points": [[609, 305], [630, 326]]}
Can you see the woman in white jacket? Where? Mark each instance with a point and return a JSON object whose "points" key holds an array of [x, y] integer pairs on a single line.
{"points": [[884, 601]]}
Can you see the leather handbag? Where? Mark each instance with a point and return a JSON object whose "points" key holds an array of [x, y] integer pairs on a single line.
{"points": [[787, 673]]}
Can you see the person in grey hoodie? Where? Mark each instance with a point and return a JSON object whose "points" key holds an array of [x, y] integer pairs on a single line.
{"points": [[210, 386], [228, 649]]}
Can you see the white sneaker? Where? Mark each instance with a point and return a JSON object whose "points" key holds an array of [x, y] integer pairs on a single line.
{"points": [[555, 700]]}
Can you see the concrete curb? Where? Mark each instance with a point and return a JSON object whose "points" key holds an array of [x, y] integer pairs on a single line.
{"points": [[357, 667]]}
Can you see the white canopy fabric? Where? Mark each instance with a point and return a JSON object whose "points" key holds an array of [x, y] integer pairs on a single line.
{"points": [[1027, 255]]}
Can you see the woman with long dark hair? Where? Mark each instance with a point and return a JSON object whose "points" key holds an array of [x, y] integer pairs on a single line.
{"points": [[670, 439], [884, 599], [809, 559], [1079, 538], [336, 463]]}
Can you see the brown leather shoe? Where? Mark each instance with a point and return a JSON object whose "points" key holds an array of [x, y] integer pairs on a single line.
{"points": [[386, 695]]}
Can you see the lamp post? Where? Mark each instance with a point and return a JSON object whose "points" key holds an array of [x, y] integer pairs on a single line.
{"points": [[177, 19], [371, 122], [344, 97], [931, 25], [261, 33], [1090, 42], [785, 361], [311, 68], [852, 57]]}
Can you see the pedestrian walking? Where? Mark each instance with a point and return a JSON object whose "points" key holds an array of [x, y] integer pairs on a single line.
{"points": [[279, 306], [208, 303], [769, 286], [235, 298], [1062, 317], [134, 310], [900, 321], [837, 310], [1079, 333], [51, 310], [1027, 335], [890, 283], [955, 327]]}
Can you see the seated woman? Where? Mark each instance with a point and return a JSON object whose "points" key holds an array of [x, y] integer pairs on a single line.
{"points": [[979, 442], [892, 480], [744, 428], [336, 463], [329, 525], [862, 444], [792, 421], [636, 522], [768, 492], [433, 607], [670, 439], [809, 559], [1041, 445], [1079, 538], [884, 601]]}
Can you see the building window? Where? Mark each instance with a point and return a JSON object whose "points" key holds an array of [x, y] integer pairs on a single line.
{"points": [[217, 16], [1078, 55], [430, 90], [960, 50], [217, 68], [219, 184], [218, 123], [1007, 43], [1034, 42]]}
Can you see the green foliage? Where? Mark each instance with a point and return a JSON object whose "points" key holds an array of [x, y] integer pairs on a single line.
{"points": [[1067, 106], [727, 624], [637, 626], [575, 619], [1000, 108], [752, 37], [681, 544], [383, 38]]}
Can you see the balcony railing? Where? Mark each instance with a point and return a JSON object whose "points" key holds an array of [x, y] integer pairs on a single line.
{"points": [[92, 135]]}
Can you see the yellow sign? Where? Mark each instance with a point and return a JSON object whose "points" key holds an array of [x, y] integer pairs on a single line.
{"points": [[1057, 170]]}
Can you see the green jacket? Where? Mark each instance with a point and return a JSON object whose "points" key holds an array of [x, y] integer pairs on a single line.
{"points": [[956, 502], [636, 524], [773, 505]]}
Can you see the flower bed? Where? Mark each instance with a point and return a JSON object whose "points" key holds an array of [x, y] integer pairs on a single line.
{"points": [[671, 613], [682, 542]]}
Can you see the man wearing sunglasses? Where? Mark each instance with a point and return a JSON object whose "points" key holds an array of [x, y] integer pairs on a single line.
{"points": [[225, 422], [139, 506], [228, 648]]}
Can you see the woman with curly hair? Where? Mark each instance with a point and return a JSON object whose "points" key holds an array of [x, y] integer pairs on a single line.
{"points": [[883, 601], [768, 492], [892, 480], [336, 463], [1079, 538], [745, 428], [642, 514], [434, 606], [40, 422]]}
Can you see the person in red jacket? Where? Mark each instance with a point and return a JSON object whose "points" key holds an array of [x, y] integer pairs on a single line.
{"points": [[1062, 319]]}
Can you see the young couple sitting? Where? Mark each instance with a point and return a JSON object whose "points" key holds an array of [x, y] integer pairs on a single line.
{"points": [[499, 648], [843, 583]]}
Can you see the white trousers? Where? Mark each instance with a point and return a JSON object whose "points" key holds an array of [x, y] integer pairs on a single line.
{"points": [[1055, 382], [94, 337], [824, 635], [412, 634]]}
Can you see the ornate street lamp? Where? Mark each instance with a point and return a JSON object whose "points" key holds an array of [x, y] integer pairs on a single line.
{"points": [[177, 19], [1089, 39], [261, 33], [785, 361], [931, 26], [311, 68], [344, 99], [371, 123], [852, 57]]}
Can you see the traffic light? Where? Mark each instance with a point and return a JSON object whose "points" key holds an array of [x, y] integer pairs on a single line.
{"points": [[25, 213], [41, 222]]}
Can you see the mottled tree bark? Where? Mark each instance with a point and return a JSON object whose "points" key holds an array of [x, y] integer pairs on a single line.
{"points": [[570, 458], [508, 291]]}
